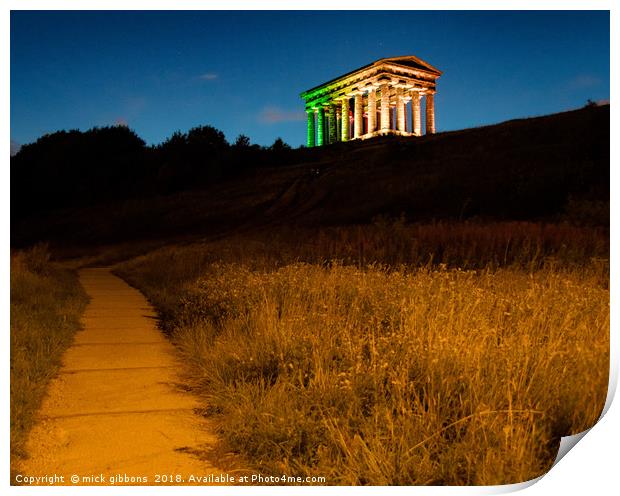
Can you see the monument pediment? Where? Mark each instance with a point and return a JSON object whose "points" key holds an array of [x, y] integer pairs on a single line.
{"points": [[411, 61]]}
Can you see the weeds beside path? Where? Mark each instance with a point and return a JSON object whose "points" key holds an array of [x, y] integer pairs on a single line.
{"points": [[46, 304], [379, 374]]}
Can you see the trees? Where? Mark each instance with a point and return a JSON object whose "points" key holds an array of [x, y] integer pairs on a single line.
{"points": [[207, 138], [76, 168], [279, 145], [279, 152], [242, 141], [69, 168]]}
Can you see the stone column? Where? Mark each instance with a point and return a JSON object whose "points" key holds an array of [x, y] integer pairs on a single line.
{"points": [[320, 126], [372, 110], [416, 116], [385, 107], [338, 125], [358, 122], [310, 140], [345, 119], [401, 124], [332, 122], [430, 113]]}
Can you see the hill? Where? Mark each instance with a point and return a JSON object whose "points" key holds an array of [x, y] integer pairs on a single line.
{"points": [[553, 167]]}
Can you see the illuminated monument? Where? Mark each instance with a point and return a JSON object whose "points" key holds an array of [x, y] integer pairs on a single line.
{"points": [[373, 101]]}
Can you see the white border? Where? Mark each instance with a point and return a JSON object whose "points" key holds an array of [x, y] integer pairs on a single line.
{"points": [[589, 468]]}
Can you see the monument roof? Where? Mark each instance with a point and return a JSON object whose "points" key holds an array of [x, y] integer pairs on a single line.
{"points": [[409, 61]]}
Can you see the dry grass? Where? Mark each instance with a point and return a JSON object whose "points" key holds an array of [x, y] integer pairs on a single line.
{"points": [[389, 374], [46, 303]]}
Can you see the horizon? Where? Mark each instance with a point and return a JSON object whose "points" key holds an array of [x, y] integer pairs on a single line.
{"points": [[79, 70], [599, 103]]}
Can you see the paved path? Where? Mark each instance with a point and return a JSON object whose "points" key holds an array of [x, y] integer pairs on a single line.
{"points": [[114, 408]]}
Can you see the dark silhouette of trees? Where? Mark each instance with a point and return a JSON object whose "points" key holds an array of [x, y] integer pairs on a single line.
{"points": [[242, 141], [280, 151], [207, 138], [69, 168], [197, 157], [75, 168], [279, 145]]}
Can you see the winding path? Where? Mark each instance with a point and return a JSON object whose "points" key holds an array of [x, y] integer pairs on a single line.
{"points": [[115, 409]]}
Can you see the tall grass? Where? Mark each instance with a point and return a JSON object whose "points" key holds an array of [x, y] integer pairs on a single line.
{"points": [[388, 241], [46, 303], [386, 373]]}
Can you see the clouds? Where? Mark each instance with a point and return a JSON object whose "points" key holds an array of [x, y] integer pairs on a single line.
{"points": [[274, 115], [208, 76], [121, 121], [583, 81], [15, 146]]}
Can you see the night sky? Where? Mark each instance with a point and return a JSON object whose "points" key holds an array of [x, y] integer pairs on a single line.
{"points": [[242, 72]]}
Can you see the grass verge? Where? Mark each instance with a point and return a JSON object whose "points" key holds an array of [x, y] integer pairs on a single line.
{"points": [[46, 304]]}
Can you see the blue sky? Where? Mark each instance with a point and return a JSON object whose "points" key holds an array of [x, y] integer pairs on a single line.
{"points": [[242, 72]]}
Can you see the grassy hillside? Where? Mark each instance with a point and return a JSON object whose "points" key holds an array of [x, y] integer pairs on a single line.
{"points": [[553, 167], [517, 170], [392, 354]]}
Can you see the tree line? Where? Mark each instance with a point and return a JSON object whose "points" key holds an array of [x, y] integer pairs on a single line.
{"points": [[81, 168]]}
